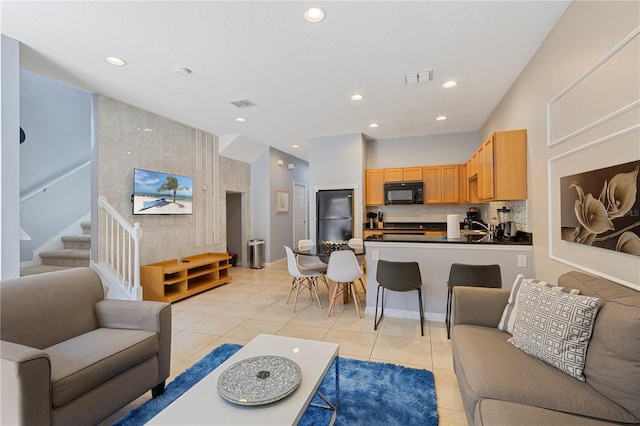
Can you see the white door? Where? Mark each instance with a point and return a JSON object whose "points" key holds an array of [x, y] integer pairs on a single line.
{"points": [[300, 213]]}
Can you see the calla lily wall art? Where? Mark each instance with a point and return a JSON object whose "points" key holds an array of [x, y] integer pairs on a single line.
{"points": [[601, 208]]}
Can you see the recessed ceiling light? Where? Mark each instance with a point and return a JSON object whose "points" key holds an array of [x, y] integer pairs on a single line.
{"points": [[295, 146], [373, 125], [241, 119], [113, 60], [441, 117], [314, 15], [449, 84], [357, 97]]}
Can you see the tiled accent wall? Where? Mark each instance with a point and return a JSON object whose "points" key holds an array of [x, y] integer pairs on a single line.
{"points": [[167, 146]]}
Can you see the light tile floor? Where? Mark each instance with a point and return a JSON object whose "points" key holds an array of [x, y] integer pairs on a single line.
{"points": [[255, 302]]}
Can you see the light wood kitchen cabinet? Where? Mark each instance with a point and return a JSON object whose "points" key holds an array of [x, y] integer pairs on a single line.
{"points": [[403, 174], [374, 187], [486, 172], [366, 233], [432, 185], [503, 172], [473, 165], [441, 184], [412, 173], [463, 183], [450, 186], [393, 175]]}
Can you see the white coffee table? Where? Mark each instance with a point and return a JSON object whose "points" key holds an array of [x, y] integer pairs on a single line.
{"points": [[203, 405]]}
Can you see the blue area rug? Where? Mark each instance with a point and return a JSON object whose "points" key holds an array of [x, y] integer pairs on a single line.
{"points": [[371, 393]]}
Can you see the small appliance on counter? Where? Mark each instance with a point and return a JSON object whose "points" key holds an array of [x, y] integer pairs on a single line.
{"points": [[473, 215], [371, 216], [507, 228]]}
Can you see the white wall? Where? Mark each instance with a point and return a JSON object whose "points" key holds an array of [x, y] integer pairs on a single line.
{"points": [[261, 200], [282, 178], [427, 150], [57, 121], [583, 36], [10, 159], [337, 162]]}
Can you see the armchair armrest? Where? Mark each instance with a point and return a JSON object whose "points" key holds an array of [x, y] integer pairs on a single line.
{"points": [[478, 305], [133, 314], [25, 385], [141, 315]]}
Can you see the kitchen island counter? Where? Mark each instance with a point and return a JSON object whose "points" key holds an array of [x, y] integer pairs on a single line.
{"points": [[435, 257], [472, 238]]}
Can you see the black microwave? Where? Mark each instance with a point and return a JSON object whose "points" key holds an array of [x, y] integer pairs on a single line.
{"points": [[403, 192]]}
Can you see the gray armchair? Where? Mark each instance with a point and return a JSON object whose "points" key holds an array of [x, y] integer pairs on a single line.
{"points": [[68, 356]]}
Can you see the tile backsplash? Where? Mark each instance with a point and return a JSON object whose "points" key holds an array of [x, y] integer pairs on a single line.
{"points": [[438, 213]]}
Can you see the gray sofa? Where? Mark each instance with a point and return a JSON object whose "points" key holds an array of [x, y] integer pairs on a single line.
{"points": [[501, 385], [69, 356]]}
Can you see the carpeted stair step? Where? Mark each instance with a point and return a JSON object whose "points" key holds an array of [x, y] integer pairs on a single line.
{"points": [[77, 242], [40, 269], [66, 257]]}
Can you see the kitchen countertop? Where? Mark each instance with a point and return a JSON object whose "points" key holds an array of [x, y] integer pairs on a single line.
{"points": [[411, 226], [474, 239]]}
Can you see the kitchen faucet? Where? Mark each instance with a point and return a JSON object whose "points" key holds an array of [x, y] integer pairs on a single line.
{"points": [[490, 228], [482, 225]]}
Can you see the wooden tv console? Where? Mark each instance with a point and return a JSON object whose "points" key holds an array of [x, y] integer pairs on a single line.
{"points": [[172, 280]]}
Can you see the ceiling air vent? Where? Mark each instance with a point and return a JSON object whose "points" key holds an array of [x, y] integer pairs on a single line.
{"points": [[418, 77], [243, 103]]}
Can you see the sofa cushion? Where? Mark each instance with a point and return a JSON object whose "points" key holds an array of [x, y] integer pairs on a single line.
{"points": [[86, 361], [509, 314], [490, 412], [555, 327], [487, 366], [613, 359]]}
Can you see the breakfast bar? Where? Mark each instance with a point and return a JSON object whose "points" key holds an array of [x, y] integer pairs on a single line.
{"points": [[435, 254]]}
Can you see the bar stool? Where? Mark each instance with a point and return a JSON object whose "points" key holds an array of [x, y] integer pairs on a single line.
{"points": [[398, 276], [470, 276]]}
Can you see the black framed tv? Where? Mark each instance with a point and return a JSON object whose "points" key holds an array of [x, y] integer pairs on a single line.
{"points": [[161, 193]]}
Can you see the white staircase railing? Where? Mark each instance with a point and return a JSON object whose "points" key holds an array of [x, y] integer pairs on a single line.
{"points": [[120, 254]]}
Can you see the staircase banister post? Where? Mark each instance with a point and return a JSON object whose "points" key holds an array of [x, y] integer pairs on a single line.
{"points": [[137, 234]]}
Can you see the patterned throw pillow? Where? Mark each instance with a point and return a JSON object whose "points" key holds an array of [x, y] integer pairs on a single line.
{"points": [[555, 327], [509, 313]]}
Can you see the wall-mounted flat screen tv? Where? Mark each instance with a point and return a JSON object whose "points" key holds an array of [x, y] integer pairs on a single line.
{"points": [[161, 193]]}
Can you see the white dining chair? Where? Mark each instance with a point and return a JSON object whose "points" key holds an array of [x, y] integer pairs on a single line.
{"points": [[312, 263], [344, 270], [358, 244], [302, 278]]}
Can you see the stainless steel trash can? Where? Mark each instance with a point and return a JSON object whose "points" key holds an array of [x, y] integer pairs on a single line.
{"points": [[256, 254]]}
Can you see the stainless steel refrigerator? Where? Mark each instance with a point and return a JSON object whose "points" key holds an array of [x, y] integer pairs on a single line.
{"points": [[334, 215]]}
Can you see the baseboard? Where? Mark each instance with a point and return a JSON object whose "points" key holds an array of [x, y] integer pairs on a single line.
{"points": [[398, 313]]}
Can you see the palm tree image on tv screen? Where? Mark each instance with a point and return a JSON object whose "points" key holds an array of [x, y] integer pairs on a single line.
{"points": [[161, 193]]}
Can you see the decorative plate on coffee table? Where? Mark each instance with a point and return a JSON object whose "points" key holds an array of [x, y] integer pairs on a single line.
{"points": [[259, 380]]}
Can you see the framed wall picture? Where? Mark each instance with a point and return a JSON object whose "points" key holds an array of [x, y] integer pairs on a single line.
{"points": [[282, 201], [594, 214]]}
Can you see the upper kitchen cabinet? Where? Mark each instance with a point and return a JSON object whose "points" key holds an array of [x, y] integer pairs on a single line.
{"points": [[403, 174], [502, 168], [374, 187], [486, 182], [441, 184], [463, 183]]}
